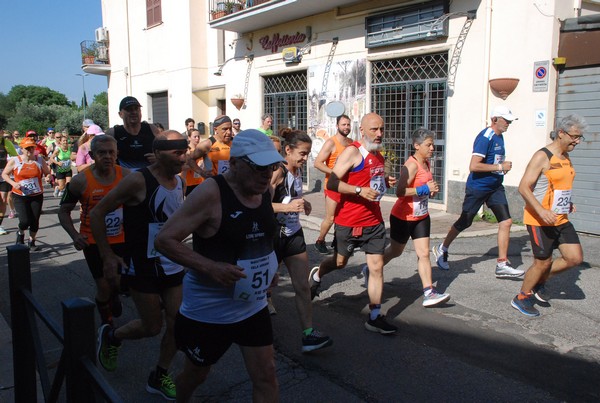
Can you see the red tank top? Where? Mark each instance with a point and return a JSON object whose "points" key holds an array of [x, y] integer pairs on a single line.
{"points": [[414, 208], [356, 211], [94, 192]]}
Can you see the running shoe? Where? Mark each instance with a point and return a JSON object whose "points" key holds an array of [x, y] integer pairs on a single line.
{"points": [[314, 341], [365, 273], [314, 285], [435, 298], [540, 293], [107, 352], [525, 306], [12, 214], [441, 257], [55, 194], [32, 246], [505, 270], [322, 248], [161, 385], [20, 239], [3, 231], [380, 325]]}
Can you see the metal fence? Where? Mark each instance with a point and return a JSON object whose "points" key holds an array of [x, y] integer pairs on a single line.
{"points": [[84, 383]]}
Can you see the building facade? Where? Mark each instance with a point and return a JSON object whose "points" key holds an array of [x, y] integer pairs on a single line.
{"points": [[440, 64]]}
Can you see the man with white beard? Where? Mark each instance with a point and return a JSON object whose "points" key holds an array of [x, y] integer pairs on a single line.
{"points": [[359, 176]]}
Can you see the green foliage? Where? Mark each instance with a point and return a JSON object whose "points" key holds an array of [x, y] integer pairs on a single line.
{"points": [[71, 120], [5, 110], [29, 116], [101, 98], [37, 108], [35, 95]]}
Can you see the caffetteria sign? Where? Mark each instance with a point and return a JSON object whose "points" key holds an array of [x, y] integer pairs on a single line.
{"points": [[277, 41]]}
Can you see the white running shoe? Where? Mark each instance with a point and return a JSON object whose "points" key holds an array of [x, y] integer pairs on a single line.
{"points": [[505, 270], [441, 257]]}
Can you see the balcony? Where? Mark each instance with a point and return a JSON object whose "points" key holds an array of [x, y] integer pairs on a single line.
{"points": [[94, 58], [250, 15]]}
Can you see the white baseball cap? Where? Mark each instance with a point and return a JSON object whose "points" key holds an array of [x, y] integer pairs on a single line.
{"points": [[502, 111]]}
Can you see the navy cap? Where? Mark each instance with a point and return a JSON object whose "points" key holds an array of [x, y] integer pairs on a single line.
{"points": [[127, 102]]}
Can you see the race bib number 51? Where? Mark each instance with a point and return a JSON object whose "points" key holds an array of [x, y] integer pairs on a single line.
{"points": [[259, 274]]}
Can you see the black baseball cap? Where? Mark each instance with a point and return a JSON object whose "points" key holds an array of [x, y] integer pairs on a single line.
{"points": [[127, 102]]}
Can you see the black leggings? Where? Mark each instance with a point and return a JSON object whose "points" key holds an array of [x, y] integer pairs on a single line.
{"points": [[29, 209]]}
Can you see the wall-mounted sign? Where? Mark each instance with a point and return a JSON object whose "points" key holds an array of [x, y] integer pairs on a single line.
{"points": [[540, 118], [277, 41], [540, 76]]}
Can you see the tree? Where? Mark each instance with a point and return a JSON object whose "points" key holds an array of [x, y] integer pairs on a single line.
{"points": [[30, 116], [35, 95], [5, 110], [72, 118], [37, 108], [101, 98]]}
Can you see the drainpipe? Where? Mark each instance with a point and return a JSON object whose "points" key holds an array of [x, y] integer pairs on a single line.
{"points": [[128, 69], [487, 54]]}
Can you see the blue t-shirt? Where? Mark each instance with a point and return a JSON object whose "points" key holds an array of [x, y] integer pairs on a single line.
{"points": [[490, 147]]}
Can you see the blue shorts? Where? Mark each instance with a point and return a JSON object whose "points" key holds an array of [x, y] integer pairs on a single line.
{"points": [[474, 199]]}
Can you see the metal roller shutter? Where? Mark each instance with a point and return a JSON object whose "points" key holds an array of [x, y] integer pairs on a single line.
{"points": [[160, 108], [579, 93]]}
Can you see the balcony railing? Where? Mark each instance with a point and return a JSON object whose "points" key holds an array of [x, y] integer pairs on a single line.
{"points": [[220, 8], [93, 52]]}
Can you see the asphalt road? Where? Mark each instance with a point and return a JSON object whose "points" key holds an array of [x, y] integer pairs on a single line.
{"points": [[475, 348]]}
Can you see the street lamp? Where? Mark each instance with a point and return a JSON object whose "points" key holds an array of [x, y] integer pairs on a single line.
{"points": [[83, 100]]}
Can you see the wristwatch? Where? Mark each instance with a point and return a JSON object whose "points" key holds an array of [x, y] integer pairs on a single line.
{"points": [[357, 190]]}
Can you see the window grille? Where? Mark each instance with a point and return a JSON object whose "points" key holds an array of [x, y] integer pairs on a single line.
{"points": [[409, 93], [407, 24], [285, 97]]}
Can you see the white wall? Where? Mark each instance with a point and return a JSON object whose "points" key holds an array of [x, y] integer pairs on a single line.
{"points": [[505, 40]]}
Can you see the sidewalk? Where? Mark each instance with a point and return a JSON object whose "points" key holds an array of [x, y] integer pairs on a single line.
{"points": [[440, 220]]}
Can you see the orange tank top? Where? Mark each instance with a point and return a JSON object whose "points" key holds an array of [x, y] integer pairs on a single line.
{"points": [[414, 208], [29, 176], [193, 178], [93, 193], [330, 161], [553, 190], [219, 157]]}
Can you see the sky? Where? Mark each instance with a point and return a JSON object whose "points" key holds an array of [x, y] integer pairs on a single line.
{"points": [[39, 45]]}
